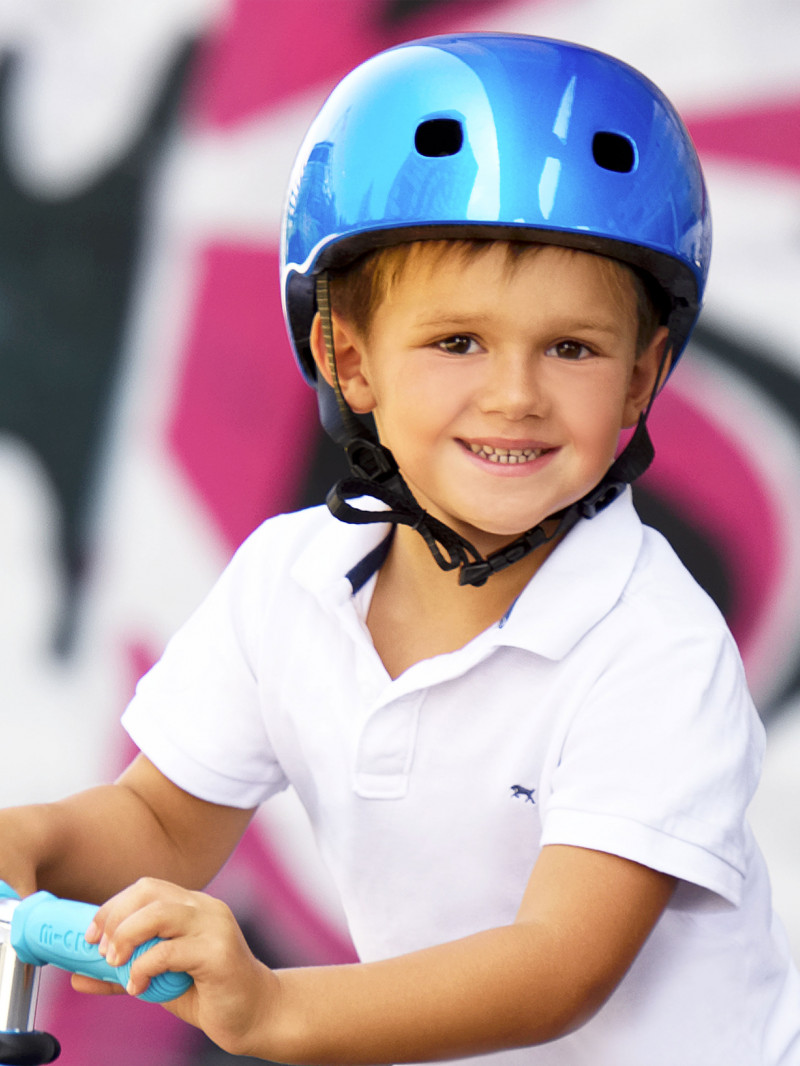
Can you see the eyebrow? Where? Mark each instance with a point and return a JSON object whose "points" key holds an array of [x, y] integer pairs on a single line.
{"points": [[448, 315], [593, 327], [466, 319]]}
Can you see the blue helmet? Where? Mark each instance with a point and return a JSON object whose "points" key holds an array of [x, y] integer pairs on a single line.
{"points": [[488, 135]]}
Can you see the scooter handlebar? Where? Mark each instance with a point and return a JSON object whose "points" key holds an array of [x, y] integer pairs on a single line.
{"points": [[45, 929]]}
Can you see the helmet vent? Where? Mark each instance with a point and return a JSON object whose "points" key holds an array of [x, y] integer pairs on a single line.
{"points": [[439, 137], [612, 151]]}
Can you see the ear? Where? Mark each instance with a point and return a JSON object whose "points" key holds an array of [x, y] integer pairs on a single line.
{"points": [[350, 353], [645, 377]]}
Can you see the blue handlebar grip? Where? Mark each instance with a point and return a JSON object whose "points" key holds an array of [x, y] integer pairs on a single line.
{"points": [[45, 929]]}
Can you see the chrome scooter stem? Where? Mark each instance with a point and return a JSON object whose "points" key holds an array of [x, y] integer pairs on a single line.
{"points": [[19, 981], [20, 1043]]}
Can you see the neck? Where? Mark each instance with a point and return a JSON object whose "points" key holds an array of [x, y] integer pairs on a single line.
{"points": [[419, 610]]}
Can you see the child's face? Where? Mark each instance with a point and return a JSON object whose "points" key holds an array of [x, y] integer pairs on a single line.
{"points": [[501, 389]]}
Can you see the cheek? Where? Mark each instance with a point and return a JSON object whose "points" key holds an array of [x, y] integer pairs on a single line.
{"points": [[597, 426], [398, 415], [411, 399]]}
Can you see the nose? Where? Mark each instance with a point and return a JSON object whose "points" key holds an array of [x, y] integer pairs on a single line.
{"points": [[514, 386]]}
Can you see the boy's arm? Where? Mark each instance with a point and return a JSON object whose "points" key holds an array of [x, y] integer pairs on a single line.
{"points": [[91, 845], [583, 919]]}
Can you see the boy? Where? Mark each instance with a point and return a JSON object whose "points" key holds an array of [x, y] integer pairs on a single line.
{"points": [[529, 776]]}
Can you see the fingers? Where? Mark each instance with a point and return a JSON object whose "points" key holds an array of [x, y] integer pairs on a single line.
{"points": [[95, 988], [149, 908], [188, 925]]}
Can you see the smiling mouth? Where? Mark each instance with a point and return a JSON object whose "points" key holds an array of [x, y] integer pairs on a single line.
{"points": [[506, 455]]}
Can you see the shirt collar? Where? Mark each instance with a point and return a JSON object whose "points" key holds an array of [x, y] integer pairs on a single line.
{"points": [[335, 550], [578, 584]]}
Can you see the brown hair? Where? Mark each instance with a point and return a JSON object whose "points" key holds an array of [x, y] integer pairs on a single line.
{"points": [[358, 289]]}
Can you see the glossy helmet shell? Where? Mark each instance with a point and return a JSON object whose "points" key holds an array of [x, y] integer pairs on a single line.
{"points": [[486, 135]]}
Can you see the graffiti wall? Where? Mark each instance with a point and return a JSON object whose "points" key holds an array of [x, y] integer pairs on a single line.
{"points": [[151, 414]]}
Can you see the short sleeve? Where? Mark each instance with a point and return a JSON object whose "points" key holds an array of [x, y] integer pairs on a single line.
{"points": [[196, 714], [661, 759]]}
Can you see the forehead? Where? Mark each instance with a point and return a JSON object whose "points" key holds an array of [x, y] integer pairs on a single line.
{"points": [[415, 270]]}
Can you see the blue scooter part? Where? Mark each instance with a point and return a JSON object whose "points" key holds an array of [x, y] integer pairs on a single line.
{"points": [[45, 929]]}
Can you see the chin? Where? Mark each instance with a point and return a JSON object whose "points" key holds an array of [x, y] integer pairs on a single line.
{"points": [[487, 540], [487, 531]]}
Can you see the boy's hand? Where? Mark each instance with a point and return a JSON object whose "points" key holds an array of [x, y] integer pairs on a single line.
{"points": [[232, 990]]}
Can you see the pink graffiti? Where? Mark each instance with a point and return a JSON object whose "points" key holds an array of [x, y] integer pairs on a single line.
{"points": [[265, 52], [767, 134], [242, 414], [707, 477]]}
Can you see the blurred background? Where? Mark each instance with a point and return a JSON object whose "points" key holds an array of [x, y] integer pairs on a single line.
{"points": [[151, 414]]}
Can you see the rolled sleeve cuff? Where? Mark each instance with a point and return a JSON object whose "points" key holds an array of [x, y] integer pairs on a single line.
{"points": [[191, 774], [646, 845]]}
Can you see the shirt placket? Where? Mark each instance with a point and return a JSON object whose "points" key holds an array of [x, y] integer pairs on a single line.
{"points": [[385, 748]]}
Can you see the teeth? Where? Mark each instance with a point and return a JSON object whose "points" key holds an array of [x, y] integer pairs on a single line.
{"points": [[505, 455]]}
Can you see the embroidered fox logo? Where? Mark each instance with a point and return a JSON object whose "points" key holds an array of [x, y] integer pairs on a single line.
{"points": [[526, 793]]}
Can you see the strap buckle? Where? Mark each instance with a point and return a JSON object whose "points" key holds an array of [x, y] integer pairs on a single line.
{"points": [[370, 460]]}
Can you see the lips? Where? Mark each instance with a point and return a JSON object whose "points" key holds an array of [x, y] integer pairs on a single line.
{"points": [[505, 455]]}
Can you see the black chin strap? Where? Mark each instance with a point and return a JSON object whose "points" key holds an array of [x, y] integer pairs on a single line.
{"points": [[374, 474]]}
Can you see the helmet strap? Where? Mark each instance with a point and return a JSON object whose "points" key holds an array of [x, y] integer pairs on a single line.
{"points": [[374, 474]]}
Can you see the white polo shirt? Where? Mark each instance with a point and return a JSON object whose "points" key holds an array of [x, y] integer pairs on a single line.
{"points": [[607, 710]]}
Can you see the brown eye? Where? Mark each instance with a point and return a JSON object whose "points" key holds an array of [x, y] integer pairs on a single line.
{"points": [[569, 350], [457, 344]]}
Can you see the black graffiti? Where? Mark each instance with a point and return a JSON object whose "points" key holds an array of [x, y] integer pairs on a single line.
{"points": [[67, 267]]}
